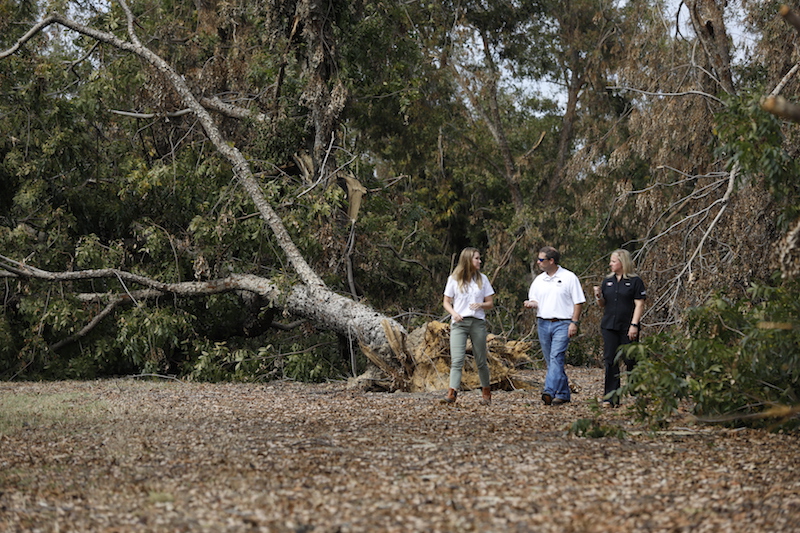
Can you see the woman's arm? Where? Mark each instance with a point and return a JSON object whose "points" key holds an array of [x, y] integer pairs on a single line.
{"points": [[638, 310], [488, 303], [447, 303], [598, 296]]}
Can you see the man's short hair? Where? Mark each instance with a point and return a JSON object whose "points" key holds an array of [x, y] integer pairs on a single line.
{"points": [[550, 253]]}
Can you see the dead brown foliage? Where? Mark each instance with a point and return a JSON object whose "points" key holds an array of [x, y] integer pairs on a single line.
{"points": [[173, 456], [430, 346]]}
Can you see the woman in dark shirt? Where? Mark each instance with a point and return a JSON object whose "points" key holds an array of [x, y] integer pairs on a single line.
{"points": [[622, 296]]}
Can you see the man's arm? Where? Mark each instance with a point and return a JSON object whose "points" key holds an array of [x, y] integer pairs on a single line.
{"points": [[576, 317], [531, 301]]}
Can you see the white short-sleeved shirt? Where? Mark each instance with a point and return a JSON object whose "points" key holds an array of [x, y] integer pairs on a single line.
{"points": [[556, 294], [469, 294]]}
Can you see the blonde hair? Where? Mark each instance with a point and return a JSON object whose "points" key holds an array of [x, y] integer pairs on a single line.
{"points": [[628, 268], [465, 271]]}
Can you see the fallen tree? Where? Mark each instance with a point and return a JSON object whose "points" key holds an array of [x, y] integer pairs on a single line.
{"points": [[421, 360], [381, 338]]}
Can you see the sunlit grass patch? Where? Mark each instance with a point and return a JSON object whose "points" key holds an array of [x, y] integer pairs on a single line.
{"points": [[21, 411]]}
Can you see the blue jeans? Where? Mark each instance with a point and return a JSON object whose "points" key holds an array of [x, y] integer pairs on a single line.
{"points": [[554, 339], [475, 329]]}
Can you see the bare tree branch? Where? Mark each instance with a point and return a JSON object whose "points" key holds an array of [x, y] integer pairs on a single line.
{"points": [[326, 310], [233, 111], [724, 201], [650, 93], [404, 259], [214, 103], [786, 79], [691, 222], [90, 326], [135, 114]]}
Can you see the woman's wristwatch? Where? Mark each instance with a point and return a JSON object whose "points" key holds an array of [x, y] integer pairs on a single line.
{"points": [[635, 325]]}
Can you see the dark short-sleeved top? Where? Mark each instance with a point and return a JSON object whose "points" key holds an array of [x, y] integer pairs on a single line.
{"points": [[619, 297]]}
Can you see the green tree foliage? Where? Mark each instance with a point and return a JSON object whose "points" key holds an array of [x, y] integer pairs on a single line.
{"points": [[734, 362], [90, 188], [755, 141]]}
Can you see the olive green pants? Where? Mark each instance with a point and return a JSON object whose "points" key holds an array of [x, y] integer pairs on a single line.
{"points": [[474, 329]]}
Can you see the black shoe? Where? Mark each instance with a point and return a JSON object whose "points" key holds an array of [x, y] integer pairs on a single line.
{"points": [[547, 399], [559, 401]]}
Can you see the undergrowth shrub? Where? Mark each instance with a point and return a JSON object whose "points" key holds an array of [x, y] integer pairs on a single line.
{"points": [[219, 362], [732, 362]]}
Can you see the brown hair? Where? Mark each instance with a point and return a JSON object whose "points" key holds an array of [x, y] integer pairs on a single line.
{"points": [[465, 271], [550, 253]]}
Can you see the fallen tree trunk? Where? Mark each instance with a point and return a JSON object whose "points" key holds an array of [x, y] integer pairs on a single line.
{"points": [[381, 338], [417, 362]]}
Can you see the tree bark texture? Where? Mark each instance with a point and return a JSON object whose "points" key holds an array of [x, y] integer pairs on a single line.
{"points": [[709, 25], [577, 81]]}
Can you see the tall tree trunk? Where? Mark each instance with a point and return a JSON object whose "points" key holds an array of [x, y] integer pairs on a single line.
{"points": [[495, 122], [325, 101], [484, 99], [577, 81], [709, 25]]}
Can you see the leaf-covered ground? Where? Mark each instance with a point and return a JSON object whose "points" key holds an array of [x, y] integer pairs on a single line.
{"points": [[127, 455]]}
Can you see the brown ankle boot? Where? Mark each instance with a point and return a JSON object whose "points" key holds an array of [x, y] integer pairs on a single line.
{"points": [[487, 396], [451, 396]]}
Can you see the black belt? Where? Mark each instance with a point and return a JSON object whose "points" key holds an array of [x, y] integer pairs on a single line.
{"points": [[556, 319]]}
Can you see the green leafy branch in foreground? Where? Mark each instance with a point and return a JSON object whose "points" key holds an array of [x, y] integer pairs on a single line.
{"points": [[735, 363]]}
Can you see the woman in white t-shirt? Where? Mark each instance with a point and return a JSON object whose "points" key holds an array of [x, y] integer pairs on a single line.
{"points": [[467, 296]]}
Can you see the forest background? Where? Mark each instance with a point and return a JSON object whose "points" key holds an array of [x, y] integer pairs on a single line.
{"points": [[279, 189]]}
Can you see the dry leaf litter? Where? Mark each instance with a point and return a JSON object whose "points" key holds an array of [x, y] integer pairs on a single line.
{"points": [[131, 455]]}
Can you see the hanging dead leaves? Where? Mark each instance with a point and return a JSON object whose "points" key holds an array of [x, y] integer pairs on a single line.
{"points": [[125, 455]]}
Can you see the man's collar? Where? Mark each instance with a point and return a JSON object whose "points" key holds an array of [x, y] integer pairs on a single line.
{"points": [[554, 274]]}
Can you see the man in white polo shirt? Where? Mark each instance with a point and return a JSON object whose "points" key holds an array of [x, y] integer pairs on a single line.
{"points": [[558, 297]]}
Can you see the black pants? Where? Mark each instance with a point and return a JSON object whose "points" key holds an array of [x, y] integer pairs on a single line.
{"points": [[612, 340]]}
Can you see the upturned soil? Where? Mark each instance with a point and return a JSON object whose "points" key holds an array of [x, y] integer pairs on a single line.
{"points": [[133, 455]]}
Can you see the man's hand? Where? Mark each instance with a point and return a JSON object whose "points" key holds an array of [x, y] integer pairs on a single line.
{"points": [[573, 329]]}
